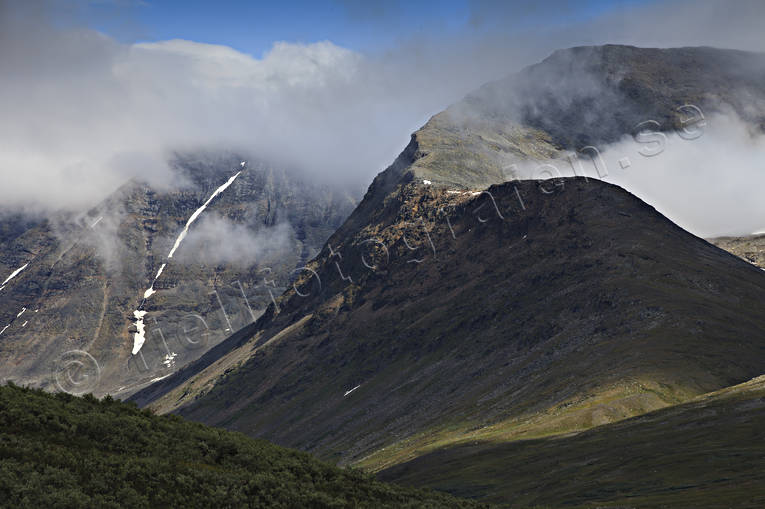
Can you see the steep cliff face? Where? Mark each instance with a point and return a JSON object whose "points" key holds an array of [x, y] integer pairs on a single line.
{"points": [[451, 307], [70, 313]]}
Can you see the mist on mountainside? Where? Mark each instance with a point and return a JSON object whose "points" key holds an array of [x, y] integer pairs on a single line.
{"points": [[84, 113]]}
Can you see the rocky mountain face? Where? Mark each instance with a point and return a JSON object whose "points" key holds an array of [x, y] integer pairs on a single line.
{"points": [[494, 319], [453, 306], [583, 98], [592, 95], [69, 316], [751, 248]]}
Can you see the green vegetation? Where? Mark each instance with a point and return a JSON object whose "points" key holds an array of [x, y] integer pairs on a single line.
{"points": [[707, 453], [64, 451]]}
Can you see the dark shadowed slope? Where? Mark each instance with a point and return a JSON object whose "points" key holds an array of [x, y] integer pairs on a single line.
{"points": [[707, 453], [584, 307], [439, 314]]}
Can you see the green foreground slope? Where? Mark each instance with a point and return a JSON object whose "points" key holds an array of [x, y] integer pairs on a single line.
{"points": [[707, 453], [63, 451]]}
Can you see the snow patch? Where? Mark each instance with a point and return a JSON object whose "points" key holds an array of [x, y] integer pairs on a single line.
{"points": [[348, 392], [25, 323], [21, 312], [170, 359], [196, 214], [1, 331], [427, 182], [140, 336], [159, 378], [97, 221], [14, 274]]}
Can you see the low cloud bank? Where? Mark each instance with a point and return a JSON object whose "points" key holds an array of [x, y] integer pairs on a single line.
{"points": [[709, 181], [83, 113]]}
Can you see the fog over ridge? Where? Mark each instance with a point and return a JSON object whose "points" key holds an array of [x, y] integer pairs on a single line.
{"points": [[83, 112]]}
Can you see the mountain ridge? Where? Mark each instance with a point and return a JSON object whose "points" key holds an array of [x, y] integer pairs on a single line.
{"points": [[87, 273], [613, 284]]}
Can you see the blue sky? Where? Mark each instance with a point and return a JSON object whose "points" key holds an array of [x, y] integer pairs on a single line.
{"points": [[252, 26]]}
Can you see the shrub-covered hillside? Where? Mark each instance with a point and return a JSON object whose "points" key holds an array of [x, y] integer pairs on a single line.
{"points": [[64, 451]]}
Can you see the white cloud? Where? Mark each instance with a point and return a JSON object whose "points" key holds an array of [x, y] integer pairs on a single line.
{"points": [[81, 112], [710, 183], [217, 240]]}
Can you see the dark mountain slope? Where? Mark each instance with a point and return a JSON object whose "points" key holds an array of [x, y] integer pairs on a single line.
{"points": [[706, 453], [593, 95], [439, 314], [63, 451], [581, 307]]}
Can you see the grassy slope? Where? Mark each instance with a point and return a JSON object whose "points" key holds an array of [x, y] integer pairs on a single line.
{"points": [[63, 451], [707, 453]]}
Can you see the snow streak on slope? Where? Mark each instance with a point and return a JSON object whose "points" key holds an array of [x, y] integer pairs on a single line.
{"points": [[13, 275], [196, 214], [348, 392], [139, 337]]}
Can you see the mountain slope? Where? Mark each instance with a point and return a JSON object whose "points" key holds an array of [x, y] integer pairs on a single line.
{"points": [[450, 307], [751, 249], [708, 453], [86, 274], [63, 451], [585, 307]]}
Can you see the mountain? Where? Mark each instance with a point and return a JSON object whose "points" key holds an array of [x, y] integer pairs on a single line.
{"points": [[707, 452], [582, 307], [69, 317], [751, 248], [111, 454], [458, 304]]}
